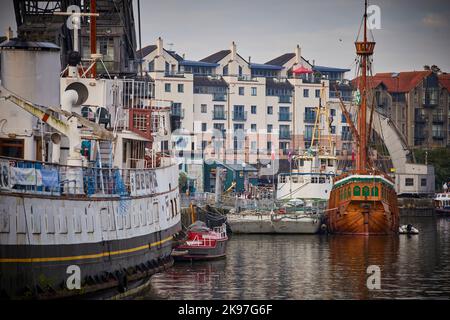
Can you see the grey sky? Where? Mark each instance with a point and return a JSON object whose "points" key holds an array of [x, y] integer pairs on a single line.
{"points": [[413, 32]]}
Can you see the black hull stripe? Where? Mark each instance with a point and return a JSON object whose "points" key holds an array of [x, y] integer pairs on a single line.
{"points": [[84, 251]]}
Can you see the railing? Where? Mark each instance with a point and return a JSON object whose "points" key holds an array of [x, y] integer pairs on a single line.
{"points": [[219, 97], [240, 116], [285, 135], [219, 115], [309, 117], [420, 118], [246, 78], [438, 135], [173, 74], [347, 136], [284, 99], [32, 177], [438, 118], [136, 94], [284, 116], [177, 112]]}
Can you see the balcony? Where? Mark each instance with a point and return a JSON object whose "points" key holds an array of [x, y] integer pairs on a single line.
{"points": [[420, 133], [219, 97], [219, 115], [420, 118], [438, 135], [246, 78], [309, 117], [284, 99], [239, 116], [177, 112], [430, 102], [284, 116], [285, 135], [430, 97], [438, 118], [173, 74], [346, 136]]}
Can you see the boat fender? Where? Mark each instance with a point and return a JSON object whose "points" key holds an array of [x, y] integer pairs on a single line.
{"points": [[323, 227]]}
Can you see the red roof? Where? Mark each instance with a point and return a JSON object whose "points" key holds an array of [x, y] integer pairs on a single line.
{"points": [[400, 82], [372, 82], [444, 81]]}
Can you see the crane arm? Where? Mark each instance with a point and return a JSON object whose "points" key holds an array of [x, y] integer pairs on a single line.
{"points": [[44, 115]]}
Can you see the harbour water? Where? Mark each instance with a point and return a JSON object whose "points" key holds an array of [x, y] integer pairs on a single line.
{"points": [[318, 267]]}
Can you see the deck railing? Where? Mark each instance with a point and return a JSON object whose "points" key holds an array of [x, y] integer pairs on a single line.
{"points": [[31, 177]]}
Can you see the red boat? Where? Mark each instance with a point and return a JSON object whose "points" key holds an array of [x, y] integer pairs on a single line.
{"points": [[202, 243]]}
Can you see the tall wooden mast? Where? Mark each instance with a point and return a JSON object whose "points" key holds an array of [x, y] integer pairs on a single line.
{"points": [[364, 50]]}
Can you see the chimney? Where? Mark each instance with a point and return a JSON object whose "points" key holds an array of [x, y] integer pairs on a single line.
{"points": [[159, 46], [233, 51], [298, 55], [9, 34], [184, 56], [249, 59]]}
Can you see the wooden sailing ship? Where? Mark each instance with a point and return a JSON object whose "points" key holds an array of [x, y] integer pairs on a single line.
{"points": [[363, 201]]}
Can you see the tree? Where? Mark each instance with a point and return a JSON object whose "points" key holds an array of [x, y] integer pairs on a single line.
{"points": [[435, 69], [439, 159]]}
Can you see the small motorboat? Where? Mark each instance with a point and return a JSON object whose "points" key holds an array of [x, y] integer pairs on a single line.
{"points": [[202, 243], [407, 229], [442, 203]]}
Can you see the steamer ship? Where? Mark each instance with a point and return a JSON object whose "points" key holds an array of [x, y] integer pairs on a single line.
{"points": [[314, 168], [363, 201], [89, 196]]}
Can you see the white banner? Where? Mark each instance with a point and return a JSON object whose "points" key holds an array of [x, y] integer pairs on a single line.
{"points": [[26, 176]]}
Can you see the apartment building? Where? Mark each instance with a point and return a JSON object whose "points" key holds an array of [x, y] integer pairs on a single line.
{"points": [[255, 107], [417, 102]]}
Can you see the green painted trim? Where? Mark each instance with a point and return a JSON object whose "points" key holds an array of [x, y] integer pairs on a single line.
{"points": [[350, 180]]}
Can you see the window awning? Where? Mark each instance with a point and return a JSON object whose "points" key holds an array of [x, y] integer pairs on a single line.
{"points": [[302, 70]]}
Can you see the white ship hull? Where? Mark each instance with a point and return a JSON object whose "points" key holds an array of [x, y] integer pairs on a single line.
{"points": [[108, 237], [304, 190]]}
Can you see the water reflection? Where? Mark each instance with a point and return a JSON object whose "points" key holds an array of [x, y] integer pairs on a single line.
{"points": [[318, 267]]}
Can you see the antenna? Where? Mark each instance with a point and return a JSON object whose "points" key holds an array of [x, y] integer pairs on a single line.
{"points": [[140, 37]]}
